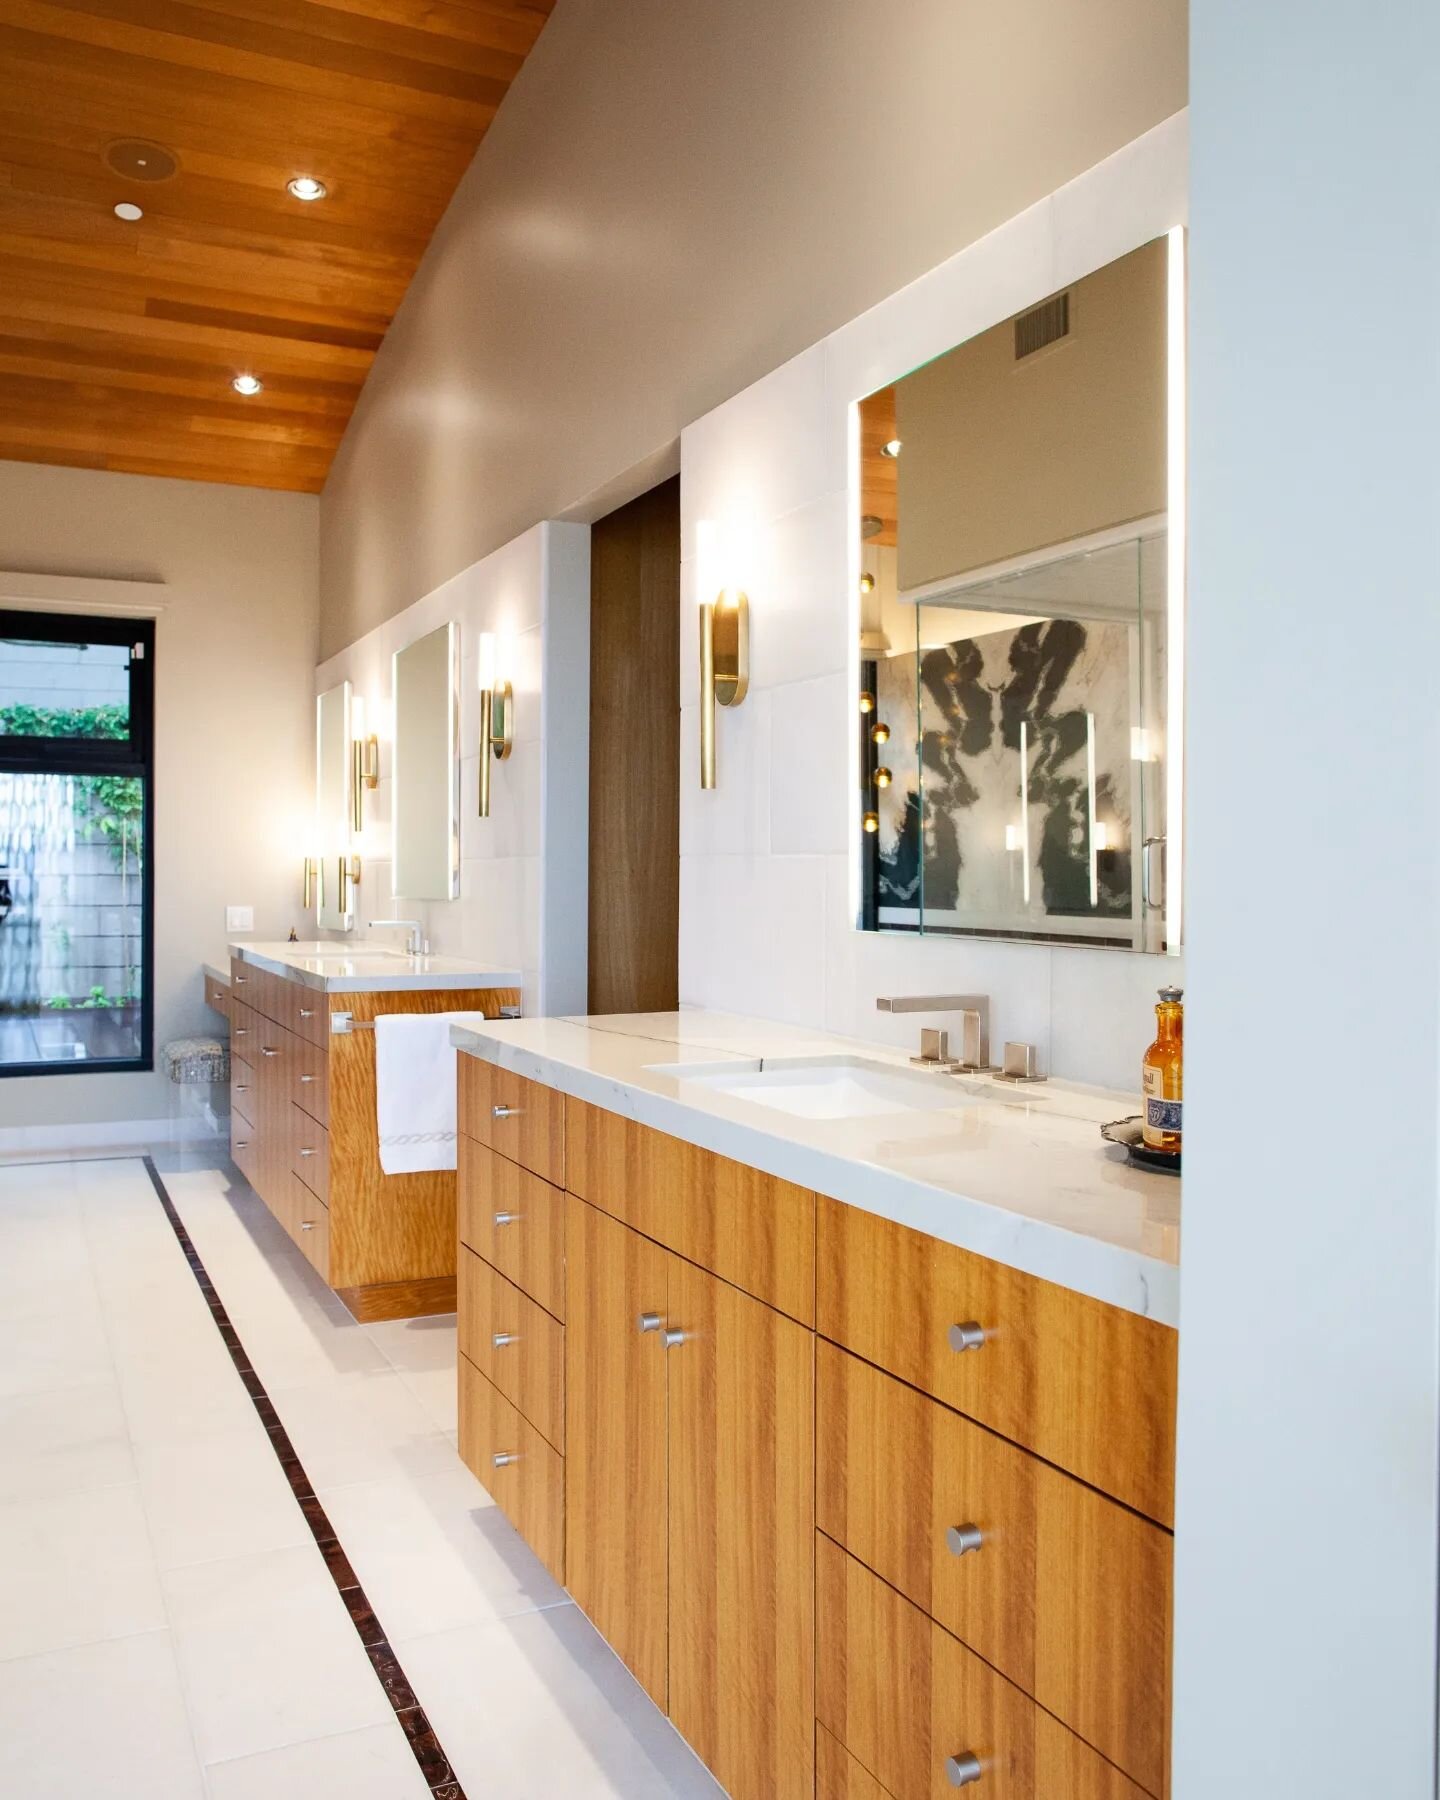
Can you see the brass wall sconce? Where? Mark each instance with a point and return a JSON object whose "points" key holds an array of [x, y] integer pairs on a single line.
{"points": [[724, 667], [348, 869], [312, 881], [364, 763], [497, 719]]}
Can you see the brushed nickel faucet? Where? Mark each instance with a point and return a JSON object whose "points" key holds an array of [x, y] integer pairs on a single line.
{"points": [[974, 1011], [415, 944]]}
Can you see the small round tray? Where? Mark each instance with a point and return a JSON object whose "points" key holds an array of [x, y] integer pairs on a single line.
{"points": [[1128, 1134]]}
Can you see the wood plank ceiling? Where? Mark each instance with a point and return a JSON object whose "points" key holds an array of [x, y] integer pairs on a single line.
{"points": [[119, 341]]}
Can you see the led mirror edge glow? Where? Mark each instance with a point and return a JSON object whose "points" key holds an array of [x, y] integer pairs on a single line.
{"points": [[854, 723], [1175, 493]]}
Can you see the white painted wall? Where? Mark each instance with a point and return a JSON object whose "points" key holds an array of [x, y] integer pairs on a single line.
{"points": [[766, 918], [1307, 1513], [235, 645], [523, 870]]}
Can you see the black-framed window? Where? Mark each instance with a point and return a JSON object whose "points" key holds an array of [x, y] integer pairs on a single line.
{"points": [[77, 808]]}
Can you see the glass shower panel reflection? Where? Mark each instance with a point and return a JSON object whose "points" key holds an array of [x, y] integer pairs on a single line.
{"points": [[1028, 795], [72, 898]]}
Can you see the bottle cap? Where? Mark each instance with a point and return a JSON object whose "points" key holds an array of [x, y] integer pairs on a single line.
{"points": [[1172, 996]]}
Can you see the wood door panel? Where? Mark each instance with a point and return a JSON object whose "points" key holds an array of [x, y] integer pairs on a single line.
{"points": [[514, 1343], [309, 1146], [1087, 1386], [515, 1220], [837, 1774], [523, 1120], [310, 1073], [749, 1228], [615, 1435], [742, 1516], [523, 1474]]}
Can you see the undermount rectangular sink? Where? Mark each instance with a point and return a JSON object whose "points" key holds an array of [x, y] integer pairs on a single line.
{"points": [[824, 1088]]}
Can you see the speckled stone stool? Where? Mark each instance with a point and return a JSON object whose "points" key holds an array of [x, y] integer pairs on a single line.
{"points": [[196, 1059], [199, 1067]]}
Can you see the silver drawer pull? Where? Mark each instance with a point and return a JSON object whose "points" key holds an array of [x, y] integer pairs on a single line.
{"points": [[503, 1218], [501, 1338], [648, 1322], [503, 1458], [240, 1087], [307, 1152], [241, 1031], [960, 1540], [307, 1012], [506, 1112], [969, 1336], [239, 980], [265, 1052], [672, 1338], [307, 1078], [242, 1143], [307, 1224], [962, 1770]]}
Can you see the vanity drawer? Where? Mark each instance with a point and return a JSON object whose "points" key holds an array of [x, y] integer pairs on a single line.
{"points": [[243, 984], [1087, 1386], [510, 1459], [244, 1032], [217, 996], [752, 1230], [244, 1088], [310, 1152], [1067, 1594], [308, 1014], [523, 1120], [310, 1078], [837, 1774], [308, 1222], [515, 1221], [904, 1698], [528, 1363], [244, 1147]]}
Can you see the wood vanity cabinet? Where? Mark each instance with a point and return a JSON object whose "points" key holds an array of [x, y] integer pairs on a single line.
{"points": [[870, 1517], [303, 1133]]}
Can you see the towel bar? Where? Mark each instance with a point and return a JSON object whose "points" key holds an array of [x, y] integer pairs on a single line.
{"points": [[342, 1023]]}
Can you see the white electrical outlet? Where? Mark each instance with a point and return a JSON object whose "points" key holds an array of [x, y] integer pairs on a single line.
{"points": [[239, 918]]}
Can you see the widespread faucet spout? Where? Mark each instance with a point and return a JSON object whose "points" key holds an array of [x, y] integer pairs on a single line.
{"points": [[974, 1011], [415, 944]]}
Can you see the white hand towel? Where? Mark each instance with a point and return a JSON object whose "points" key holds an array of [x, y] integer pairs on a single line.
{"points": [[415, 1091]]}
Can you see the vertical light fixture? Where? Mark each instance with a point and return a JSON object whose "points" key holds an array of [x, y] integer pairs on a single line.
{"points": [[497, 713], [1175, 507], [724, 635], [364, 762], [1091, 836], [1025, 810]]}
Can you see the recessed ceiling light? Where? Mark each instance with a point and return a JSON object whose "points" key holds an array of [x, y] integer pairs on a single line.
{"points": [[307, 187], [247, 384], [127, 209], [891, 449]]}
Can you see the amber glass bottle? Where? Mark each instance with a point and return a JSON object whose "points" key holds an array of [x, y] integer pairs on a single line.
{"points": [[1164, 1075]]}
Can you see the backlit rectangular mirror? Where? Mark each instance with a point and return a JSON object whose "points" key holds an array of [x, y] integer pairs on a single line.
{"points": [[334, 910], [427, 767], [1021, 607]]}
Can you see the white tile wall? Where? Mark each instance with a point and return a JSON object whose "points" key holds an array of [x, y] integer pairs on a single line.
{"points": [[523, 884], [766, 915]]}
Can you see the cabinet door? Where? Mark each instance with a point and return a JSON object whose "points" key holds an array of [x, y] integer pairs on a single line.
{"points": [[742, 1535], [615, 1474]]}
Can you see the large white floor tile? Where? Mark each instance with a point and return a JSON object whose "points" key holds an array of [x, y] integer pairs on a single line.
{"points": [[541, 1705], [374, 1764], [438, 1392], [222, 1495], [363, 1427], [76, 1568], [65, 1442], [105, 1719], [415, 1344], [172, 1400], [436, 1552], [268, 1654], [61, 1349]]}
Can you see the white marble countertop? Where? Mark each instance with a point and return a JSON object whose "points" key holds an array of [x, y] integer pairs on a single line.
{"points": [[333, 968], [1017, 1174]]}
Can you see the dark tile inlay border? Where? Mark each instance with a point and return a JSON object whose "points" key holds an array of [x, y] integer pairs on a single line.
{"points": [[425, 1747]]}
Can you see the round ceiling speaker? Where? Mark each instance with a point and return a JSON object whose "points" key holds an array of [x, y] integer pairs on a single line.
{"points": [[139, 160]]}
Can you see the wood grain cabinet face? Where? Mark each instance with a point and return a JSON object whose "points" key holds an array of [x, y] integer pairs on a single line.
{"points": [[1086, 1386], [1067, 1592], [521, 1119], [515, 1220], [747, 1227], [307, 1219], [310, 1079], [522, 1473], [515, 1344], [616, 1469], [837, 1774], [244, 1087], [742, 1512], [309, 1151]]}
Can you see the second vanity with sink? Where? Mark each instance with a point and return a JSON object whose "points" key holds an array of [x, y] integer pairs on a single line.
{"points": [[839, 1394], [302, 1111]]}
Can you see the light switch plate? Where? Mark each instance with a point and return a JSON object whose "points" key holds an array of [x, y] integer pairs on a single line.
{"points": [[239, 918]]}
